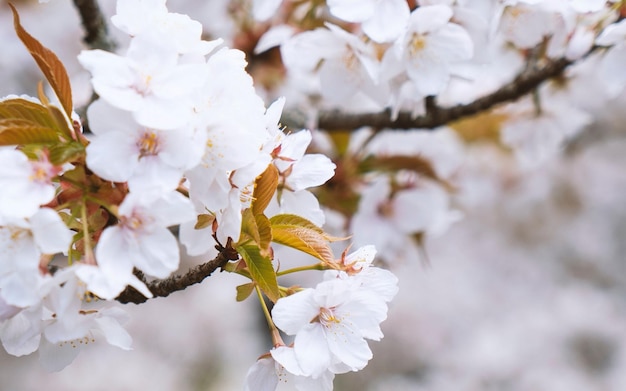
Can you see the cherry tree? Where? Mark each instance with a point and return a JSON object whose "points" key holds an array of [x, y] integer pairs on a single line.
{"points": [[331, 128]]}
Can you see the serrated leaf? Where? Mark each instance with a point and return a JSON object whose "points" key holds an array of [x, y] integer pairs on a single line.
{"points": [[264, 189], [65, 152], [245, 290], [19, 108], [304, 239], [394, 163], [261, 270], [49, 63], [49, 117], [294, 220], [18, 132]]}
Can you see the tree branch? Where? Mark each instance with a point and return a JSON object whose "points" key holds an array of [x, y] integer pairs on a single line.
{"points": [[163, 288], [435, 115], [96, 32]]}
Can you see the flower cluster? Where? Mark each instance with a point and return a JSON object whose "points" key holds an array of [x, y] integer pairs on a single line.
{"points": [[179, 138], [330, 324]]}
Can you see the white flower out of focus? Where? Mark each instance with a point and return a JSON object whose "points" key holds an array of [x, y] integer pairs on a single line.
{"points": [[382, 20], [429, 47]]}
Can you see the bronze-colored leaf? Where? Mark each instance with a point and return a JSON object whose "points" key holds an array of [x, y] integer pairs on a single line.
{"points": [[49, 63], [18, 132], [264, 189], [304, 239]]}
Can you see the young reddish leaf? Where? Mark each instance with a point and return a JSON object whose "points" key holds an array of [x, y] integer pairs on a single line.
{"points": [[61, 122], [261, 270], [243, 291], [49, 63], [17, 132], [264, 189]]}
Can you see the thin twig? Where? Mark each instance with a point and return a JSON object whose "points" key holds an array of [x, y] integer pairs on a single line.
{"points": [[96, 32], [163, 288], [435, 115]]}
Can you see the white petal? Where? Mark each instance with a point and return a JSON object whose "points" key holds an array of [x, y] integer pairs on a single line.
{"points": [[114, 333], [54, 357], [310, 171], [262, 376], [50, 232], [352, 10], [292, 313], [311, 349], [346, 344], [158, 254], [388, 21]]}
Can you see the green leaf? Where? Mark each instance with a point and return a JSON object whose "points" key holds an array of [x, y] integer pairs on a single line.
{"points": [[249, 229], [49, 63], [264, 189], [243, 291], [204, 221], [66, 152], [261, 270], [301, 234], [265, 233], [19, 131]]}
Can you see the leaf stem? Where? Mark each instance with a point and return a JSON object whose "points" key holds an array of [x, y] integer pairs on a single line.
{"points": [[317, 266], [276, 338]]}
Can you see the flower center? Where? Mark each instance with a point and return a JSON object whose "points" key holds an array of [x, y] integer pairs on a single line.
{"points": [[148, 144], [417, 44], [132, 222], [42, 171], [327, 317]]}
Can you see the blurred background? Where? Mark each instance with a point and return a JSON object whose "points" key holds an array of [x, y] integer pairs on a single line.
{"points": [[526, 293]]}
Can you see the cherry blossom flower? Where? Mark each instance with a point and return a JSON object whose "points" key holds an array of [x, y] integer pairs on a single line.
{"points": [[24, 185], [328, 323], [388, 220], [357, 268], [142, 240], [148, 81], [538, 135], [23, 242], [148, 159], [430, 45], [349, 65], [61, 324]]}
